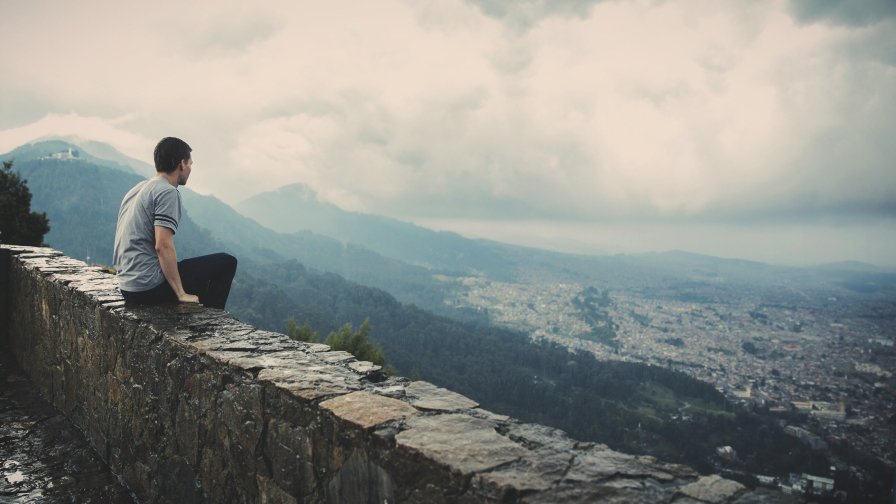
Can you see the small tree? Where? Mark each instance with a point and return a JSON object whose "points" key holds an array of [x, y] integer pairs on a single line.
{"points": [[357, 343], [301, 332], [346, 339], [18, 224]]}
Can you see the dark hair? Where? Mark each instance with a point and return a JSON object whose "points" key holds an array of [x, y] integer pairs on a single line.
{"points": [[169, 153]]}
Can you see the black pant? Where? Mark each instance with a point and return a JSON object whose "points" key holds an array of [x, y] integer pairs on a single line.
{"points": [[208, 277]]}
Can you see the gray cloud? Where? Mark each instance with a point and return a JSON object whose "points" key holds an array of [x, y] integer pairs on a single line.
{"points": [[522, 14], [876, 44], [849, 12]]}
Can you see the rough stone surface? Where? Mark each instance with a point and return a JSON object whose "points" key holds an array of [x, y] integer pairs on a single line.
{"points": [[601, 462], [427, 396], [539, 471], [364, 367], [712, 489], [464, 443], [368, 410], [187, 404]]}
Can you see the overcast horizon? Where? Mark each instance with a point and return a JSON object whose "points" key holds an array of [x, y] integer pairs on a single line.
{"points": [[757, 130]]}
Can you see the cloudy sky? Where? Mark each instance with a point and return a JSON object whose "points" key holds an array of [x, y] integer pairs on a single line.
{"points": [[761, 129]]}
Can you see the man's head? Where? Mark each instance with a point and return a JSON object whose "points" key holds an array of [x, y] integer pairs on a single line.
{"points": [[172, 155]]}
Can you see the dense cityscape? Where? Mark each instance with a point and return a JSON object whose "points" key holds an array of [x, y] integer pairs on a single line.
{"points": [[823, 356]]}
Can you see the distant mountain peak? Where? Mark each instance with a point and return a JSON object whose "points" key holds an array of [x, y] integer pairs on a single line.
{"points": [[298, 189]]}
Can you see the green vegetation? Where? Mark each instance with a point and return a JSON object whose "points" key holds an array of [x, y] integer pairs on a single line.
{"points": [[593, 305], [302, 332], [676, 342], [18, 224], [642, 319], [357, 343], [345, 338]]}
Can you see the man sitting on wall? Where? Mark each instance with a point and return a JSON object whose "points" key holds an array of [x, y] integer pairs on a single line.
{"points": [[144, 255]]}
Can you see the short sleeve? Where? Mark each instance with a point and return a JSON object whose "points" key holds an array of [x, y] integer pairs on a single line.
{"points": [[167, 209]]}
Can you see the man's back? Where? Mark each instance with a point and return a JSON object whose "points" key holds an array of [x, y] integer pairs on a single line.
{"points": [[145, 255], [153, 202]]}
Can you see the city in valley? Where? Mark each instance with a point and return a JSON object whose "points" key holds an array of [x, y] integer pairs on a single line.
{"points": [[825, 350]]}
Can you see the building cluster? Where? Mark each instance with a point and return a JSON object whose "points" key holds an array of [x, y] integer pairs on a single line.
{"points": [[807, 484], [828, 357], [813, 441]]}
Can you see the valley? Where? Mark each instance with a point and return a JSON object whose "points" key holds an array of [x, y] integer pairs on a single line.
{"points": [[822, 353]]}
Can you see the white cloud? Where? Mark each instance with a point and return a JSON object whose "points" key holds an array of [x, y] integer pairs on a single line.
{"points": [[113, 131], [452, 109]]}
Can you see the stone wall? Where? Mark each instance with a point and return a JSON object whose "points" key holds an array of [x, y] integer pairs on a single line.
{"points": [[188, 404]]}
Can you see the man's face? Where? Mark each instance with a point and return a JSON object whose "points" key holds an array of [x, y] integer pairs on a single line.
{"points": [[183, 171]]}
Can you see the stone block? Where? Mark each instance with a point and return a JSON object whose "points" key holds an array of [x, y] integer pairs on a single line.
{"points": [[5, 265], [313, 382], [713, 488], [335, 356], [460, 442], [426, 396], [271, 493], [367, 410], [289, 450], [537, 471], [216, 476], [177, 481], [359, 481], [364, 367]]}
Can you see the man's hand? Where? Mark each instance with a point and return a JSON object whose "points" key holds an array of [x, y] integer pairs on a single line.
{"points": [[188, 298]]}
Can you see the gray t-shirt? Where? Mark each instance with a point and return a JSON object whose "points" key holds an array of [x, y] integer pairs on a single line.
{"points": [[153, 202]]}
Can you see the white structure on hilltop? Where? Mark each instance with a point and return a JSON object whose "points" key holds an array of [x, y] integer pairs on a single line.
{"points": [[68, 154]]}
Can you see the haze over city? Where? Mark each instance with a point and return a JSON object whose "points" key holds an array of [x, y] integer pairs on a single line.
{"points": [[760, 130]]}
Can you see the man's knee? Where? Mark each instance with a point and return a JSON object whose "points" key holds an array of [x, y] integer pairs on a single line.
{"points": [[229, 262]]}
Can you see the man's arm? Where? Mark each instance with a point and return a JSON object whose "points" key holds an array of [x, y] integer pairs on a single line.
{"points": [[168, 261]]}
